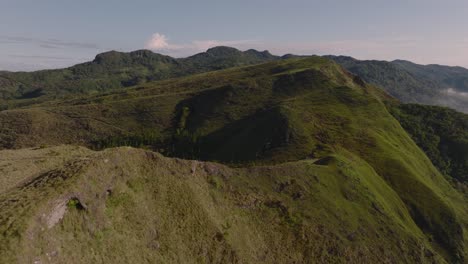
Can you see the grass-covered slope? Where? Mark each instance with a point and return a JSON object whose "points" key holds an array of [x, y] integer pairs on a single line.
{"points": [[146, 109], [354, 162], [127, 205], [170, 112]]}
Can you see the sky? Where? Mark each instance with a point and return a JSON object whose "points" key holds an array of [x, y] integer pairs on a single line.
{"points": [[59, 33]]}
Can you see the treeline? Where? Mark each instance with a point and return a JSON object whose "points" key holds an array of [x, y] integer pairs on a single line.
{"points": [[152, 141], [442, 133]]}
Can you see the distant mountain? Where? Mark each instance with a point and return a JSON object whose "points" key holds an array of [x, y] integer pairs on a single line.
{"points": [[452, 77], [414, 83], [113, 70]]}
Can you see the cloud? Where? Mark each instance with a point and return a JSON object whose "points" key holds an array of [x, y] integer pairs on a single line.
{"points": [[159, 42], [47, 43], [40, 57], [453, 92]]}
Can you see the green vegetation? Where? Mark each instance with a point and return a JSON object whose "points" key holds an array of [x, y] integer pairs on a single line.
{"points": [[443, 135], [75, 203], [146, 140], [319, 171]]}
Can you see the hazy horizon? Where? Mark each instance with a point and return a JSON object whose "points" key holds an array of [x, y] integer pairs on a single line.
{"points": [[55, 34], [185, 56]]}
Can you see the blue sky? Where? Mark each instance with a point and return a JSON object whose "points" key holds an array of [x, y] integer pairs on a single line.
{"points": [[57, 33]]}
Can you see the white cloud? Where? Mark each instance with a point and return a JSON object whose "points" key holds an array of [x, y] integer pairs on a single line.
{"points": [[157, 42], [453, 92]]}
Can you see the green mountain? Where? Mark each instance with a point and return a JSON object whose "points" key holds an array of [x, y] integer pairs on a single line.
{"points": [[413, 83], [316, 169], [113, 70]]}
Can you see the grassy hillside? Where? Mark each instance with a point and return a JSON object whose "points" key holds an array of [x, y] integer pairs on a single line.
{"points": [[414, 83], [127, 205], [315, 129], [152, 110]]}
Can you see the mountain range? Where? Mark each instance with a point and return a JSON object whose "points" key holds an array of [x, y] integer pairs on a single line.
{"points": [[406, 81]]}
